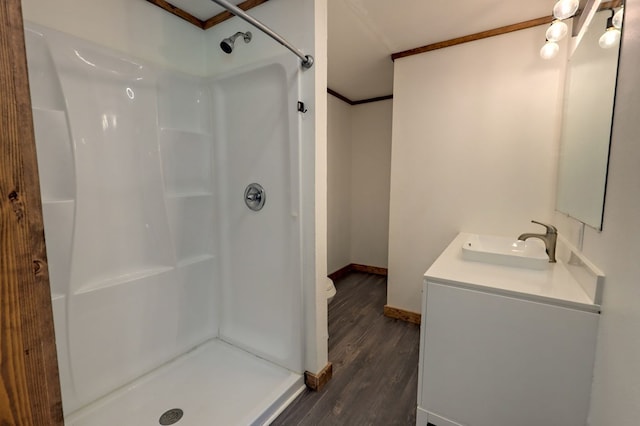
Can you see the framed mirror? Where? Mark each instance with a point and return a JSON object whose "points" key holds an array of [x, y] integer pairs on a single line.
{"points": [[586, 123]]}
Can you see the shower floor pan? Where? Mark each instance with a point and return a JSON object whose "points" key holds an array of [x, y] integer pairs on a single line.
{"points": [[215, 384]]}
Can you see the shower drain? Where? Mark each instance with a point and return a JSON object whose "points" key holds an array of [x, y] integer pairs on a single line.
{"points": [[170, 417]]}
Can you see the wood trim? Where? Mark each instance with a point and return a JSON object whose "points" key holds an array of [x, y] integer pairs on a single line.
{"points": [[317, 382], [370, 269], [339, 96], [360, 102], [204, 25], [29, 384], [473, 37], [354, 267], [610, 4], [368, 101], [401, 314], [221, 17], [336, 275], [180, 13]]}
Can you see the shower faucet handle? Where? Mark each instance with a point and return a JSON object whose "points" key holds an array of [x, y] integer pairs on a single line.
{"points": [[254, 196]]}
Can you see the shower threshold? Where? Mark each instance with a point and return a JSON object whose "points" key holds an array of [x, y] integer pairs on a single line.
{"points": [[216, 383]]}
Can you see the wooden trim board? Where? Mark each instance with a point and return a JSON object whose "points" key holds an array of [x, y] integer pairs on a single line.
{"points": [[208, 23], [354, 267], [370, 269], [29, 383], [360, 102], [473, 37], [370, 100], [221, 17], [182, 14], [339, 96], [317, 382], [336, 275], [401, 314]]}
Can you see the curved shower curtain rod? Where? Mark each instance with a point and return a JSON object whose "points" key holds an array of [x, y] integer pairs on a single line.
{"points": [[307, 60]]}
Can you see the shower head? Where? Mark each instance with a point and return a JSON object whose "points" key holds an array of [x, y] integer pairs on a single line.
{"points": [[227, 44]]}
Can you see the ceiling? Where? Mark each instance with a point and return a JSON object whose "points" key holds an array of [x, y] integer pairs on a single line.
{"points": [[364, 33]]}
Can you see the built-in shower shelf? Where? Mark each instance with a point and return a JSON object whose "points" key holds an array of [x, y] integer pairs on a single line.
{"points": [[185, 131], [56, 296], [48, 110], [123, 278], [57, 202], [195, 259], [189, 194]]}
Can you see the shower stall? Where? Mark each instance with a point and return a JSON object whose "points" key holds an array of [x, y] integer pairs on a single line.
{"points": [[173, 300]]}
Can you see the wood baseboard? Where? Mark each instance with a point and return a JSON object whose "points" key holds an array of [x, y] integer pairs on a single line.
{"points": [[340, 273], [401, 314], [316, 382], [370, 269], [355, 267]]}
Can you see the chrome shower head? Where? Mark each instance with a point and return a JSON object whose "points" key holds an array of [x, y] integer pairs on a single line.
{"points": [[227, 44]]}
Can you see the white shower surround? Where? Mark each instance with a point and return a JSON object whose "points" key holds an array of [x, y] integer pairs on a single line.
{"points": [[151, 249]]}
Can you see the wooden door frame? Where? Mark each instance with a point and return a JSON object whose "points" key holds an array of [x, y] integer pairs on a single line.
{"points": [[29, 383]]}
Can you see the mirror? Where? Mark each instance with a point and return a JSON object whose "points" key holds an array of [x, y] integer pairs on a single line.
{"points": [[586, 125]]}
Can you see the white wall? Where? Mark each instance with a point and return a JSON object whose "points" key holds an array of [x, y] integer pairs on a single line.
{"points": [[358, 183], [339, 146], [474, 149], [304, 24], [615, 396], [370, 182], [135, 27]]}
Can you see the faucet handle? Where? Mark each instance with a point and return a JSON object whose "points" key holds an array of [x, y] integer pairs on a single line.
{"points": [[550, 228]]}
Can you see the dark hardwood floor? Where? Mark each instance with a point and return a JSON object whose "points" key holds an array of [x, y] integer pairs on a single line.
{"points": [[375, 363]]}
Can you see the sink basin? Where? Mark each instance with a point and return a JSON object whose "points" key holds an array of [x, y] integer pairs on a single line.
{"points": [[505, 251]]}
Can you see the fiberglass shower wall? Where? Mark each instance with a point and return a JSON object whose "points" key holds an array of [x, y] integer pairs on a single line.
{"points": [[257, 127], [125, 155]]}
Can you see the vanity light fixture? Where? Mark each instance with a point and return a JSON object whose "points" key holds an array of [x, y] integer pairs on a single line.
{"points": [[617, 18], [549, 50], [563, 9], [557, 31], [611, 35]]}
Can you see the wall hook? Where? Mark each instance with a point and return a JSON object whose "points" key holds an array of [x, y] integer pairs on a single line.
{"points": [[301, 107]]}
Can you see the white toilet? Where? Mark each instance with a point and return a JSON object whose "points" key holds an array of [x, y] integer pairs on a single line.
{"points": [[331, 290]]}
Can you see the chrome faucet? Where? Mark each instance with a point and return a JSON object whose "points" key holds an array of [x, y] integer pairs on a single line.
{"points": [[549, 238]]}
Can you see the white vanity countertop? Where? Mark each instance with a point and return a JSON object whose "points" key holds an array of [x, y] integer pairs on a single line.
{"points": [[554, 285]]}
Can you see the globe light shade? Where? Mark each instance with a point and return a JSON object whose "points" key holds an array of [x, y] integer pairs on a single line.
{"points": [[549, 50], [557, 31], [617, 18], [564, 9], [610, 38]]}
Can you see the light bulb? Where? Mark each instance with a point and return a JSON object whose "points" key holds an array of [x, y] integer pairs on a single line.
{"points": [[617, 18], [557, 31], [549, 50], [610, 38], [564, 9]]}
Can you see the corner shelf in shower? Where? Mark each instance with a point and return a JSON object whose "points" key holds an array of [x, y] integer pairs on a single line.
{"points": [[49, 201], [108, 282], [192, 260], [49, 110], [185, 131]]}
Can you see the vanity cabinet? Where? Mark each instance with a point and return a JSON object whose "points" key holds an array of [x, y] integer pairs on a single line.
{"points": [[494, 357]]}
